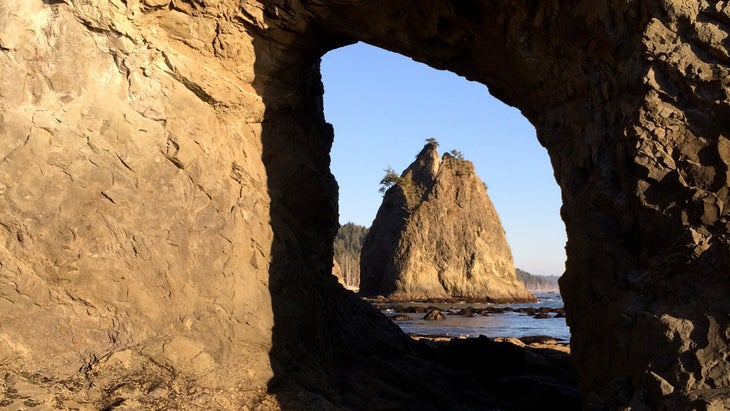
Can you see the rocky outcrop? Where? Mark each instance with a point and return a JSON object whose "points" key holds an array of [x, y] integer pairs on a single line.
{"points": [[337, 272], [434, 315], [167, 210], [437, 235]]}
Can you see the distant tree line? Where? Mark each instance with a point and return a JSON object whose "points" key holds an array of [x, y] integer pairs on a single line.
{"points": [[538, 282], [347, 246]]}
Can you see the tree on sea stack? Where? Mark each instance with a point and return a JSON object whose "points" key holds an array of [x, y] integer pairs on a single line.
{"points": [[437, 235], [389, 179]]}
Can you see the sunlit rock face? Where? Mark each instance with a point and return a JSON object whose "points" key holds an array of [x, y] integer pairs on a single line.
{"points": [[135, 255], [168, 211], [437, 235]]}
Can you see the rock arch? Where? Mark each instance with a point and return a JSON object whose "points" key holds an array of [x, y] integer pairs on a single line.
{"points": [[173, 228], [631, 102]]}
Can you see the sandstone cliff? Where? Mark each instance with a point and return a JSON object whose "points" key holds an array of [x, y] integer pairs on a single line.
{"points": [[130, 182], [437, 235]]}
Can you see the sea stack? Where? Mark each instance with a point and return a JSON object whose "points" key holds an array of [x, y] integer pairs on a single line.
{"points": [[437, 235]]}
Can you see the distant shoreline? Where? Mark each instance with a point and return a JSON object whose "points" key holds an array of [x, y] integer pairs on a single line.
{"points": [[380, 299], [471, 309], [535, 341], [449, 300], [528, 321]]}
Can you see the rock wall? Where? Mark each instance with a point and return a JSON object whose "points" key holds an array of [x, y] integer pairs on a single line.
{"points": [[437, 235], [135, 253], [168, 211]]}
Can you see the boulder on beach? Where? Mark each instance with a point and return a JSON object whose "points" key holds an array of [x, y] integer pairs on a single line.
{"points": [[466, 312], [434, 315]]}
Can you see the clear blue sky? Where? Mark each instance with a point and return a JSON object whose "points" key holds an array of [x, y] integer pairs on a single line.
{"points": [[383, 107]]}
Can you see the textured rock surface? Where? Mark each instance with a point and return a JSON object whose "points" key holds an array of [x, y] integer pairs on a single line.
{"points": [[437, 235], [135, 252], [168, 213]]}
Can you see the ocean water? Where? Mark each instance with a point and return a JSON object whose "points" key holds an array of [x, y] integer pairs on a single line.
{"points": [[507, 324]]}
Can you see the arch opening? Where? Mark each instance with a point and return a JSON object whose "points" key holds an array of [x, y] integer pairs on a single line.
{"points": [[383, 106]]}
